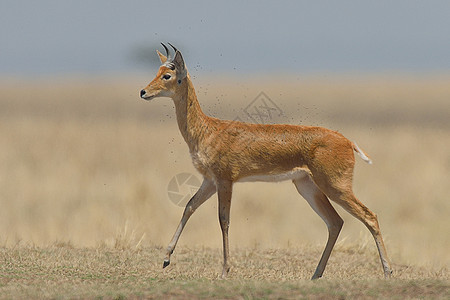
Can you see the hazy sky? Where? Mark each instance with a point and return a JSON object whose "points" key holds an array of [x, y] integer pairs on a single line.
{"points": [[96, 37]]}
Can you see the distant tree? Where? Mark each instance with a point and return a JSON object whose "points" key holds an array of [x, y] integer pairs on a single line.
{"points": [[145, 55]]}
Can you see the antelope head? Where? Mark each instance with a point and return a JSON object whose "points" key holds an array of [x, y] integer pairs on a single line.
{"points": [[169, 78]]}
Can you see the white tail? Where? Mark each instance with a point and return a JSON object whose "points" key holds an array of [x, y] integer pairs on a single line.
{"points": [[361, 153], [319, 161]]}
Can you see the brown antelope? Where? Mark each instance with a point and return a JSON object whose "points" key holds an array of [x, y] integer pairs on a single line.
{"points": [[319, 161]]}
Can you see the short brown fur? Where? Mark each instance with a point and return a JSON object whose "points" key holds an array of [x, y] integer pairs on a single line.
{"points": [[319, 161]]}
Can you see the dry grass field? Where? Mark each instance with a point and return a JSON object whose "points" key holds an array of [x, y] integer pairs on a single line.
{"points": [[84, 172]]}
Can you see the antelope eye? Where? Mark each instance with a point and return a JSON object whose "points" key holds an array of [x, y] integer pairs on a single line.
{"points": [[166, 77]]}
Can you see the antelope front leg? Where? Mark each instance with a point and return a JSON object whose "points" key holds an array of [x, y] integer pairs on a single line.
{"points": [[206, 190], [224, 190]]}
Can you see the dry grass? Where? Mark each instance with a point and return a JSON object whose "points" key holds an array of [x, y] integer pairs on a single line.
{"points": [[86, 163], [65, 272]]}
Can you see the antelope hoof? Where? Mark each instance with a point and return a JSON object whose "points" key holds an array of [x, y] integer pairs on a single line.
{"points": [[225, 272], [166, 263]]}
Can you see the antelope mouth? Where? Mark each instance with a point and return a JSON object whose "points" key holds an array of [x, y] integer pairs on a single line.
{"points": [[148, 98], [145, 96]]}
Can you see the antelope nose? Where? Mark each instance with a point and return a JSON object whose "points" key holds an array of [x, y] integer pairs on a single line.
{"points": [[142, 93]]}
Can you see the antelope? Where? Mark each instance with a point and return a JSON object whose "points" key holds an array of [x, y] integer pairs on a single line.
{"points": [[319, 161]]}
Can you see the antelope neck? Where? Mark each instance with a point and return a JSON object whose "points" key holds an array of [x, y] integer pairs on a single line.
{"points": [[190, 117]]}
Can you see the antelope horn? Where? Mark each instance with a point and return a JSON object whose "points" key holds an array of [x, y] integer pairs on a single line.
{"points": [[172, 47], [167, 52]]}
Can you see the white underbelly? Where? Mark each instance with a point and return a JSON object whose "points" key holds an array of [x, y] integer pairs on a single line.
{"points": [[295, 173]]}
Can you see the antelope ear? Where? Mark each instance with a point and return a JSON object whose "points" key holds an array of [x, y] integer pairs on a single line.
{"points": [[162, 57], [179, 64]]}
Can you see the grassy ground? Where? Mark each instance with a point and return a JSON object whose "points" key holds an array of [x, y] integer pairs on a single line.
{"points": [[85, 167], [62, 271]]}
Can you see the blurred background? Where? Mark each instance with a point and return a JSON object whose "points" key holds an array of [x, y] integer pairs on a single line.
{"points": [[84, 161], [100, 37]]}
